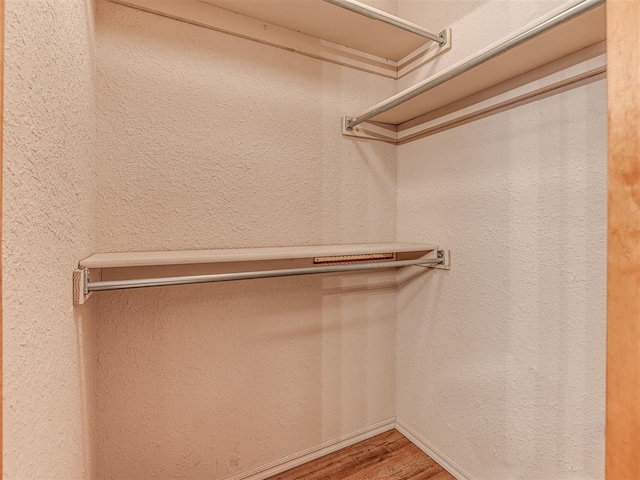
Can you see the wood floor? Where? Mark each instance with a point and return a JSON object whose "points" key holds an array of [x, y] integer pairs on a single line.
{"points": [[388, 456]]}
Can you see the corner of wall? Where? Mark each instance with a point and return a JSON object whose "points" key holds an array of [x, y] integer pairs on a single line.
{"points": [[48, 225]]}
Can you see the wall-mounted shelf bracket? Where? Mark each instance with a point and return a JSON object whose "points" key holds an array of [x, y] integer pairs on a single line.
{"points": [[441, 260], [445, 260], [81, 278]]}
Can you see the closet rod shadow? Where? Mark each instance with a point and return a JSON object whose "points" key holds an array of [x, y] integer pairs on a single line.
{"points": [[375, 14], [227, 277], [569, 14]]}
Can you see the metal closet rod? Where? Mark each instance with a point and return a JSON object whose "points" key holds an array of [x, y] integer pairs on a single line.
{"points": [[375, 14], [226, 277], [549, 24]]}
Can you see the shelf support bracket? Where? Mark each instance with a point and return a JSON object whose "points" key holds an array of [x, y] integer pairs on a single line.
{"points": [[347, 124], [81, 277], [371, 130]]}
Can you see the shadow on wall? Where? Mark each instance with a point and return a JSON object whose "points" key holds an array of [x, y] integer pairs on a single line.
{"points": [[84, 318]]}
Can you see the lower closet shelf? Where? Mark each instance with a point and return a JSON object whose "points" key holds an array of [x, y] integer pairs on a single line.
{"points": [[120, 271]]}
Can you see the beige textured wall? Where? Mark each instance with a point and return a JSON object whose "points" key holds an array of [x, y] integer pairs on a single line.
{"points": [[49, 202], [205, 140], [501, 361], [211, 141]]}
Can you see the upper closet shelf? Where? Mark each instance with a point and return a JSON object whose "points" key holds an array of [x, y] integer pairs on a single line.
{"points": [[341, 31], [114, 270], [563, 47]]}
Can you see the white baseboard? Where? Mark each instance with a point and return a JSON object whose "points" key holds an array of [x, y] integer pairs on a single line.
{"points": [[296, 459], [442, 459], [304, 456]]}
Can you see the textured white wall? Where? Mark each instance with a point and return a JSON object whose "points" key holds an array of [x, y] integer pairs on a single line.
{"points": [[207, 141], [211, 141], [501, 360], [48, 221]]}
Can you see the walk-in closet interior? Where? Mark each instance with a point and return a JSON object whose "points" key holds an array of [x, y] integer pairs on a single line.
{"points": [[240, 235]]}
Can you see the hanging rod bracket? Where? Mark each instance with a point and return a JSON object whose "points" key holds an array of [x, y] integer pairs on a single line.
{"points": [[443, 38], [347, 123], [444, 257]]}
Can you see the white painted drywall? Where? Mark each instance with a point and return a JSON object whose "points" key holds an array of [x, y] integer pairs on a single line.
{"points": [[211, 141], [48, 224], [501, 360], [207, 140]]}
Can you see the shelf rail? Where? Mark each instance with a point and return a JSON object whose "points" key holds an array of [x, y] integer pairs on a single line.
{"points": [[569, 14], [375, 14], [100, 286]]}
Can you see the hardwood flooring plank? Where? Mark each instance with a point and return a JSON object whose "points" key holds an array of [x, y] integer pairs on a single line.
{"points": [[444, 475], [344, 462], [388, 456], [409, 462]]}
